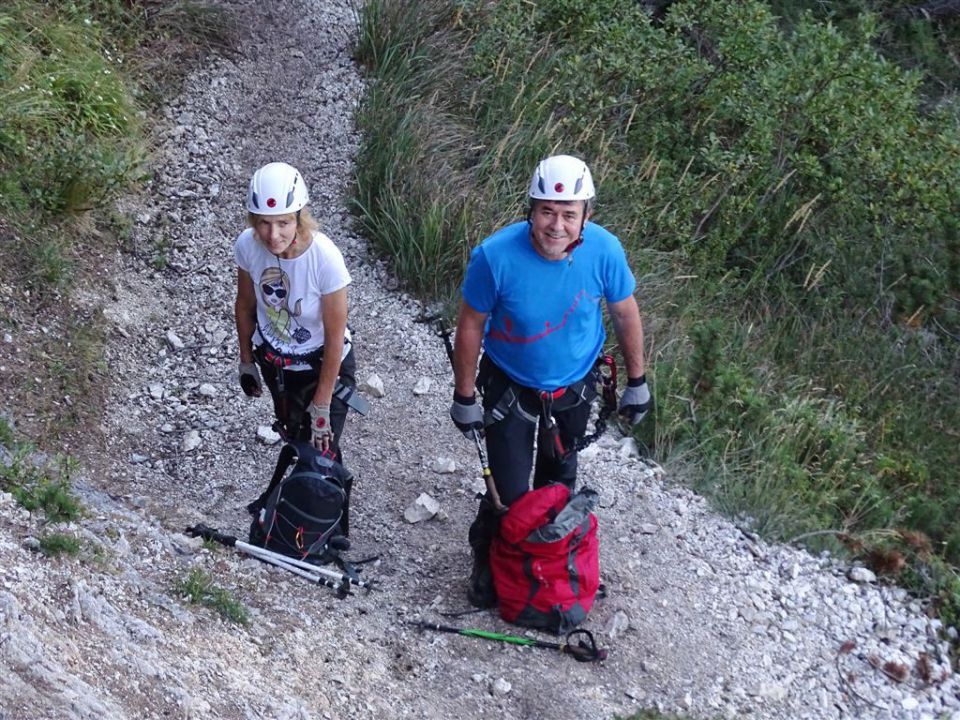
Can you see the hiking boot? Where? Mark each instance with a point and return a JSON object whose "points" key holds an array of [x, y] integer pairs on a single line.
{"points": [[480, 592]]}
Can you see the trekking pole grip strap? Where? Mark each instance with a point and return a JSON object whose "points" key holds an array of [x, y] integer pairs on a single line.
{"points": [[585, 650]]}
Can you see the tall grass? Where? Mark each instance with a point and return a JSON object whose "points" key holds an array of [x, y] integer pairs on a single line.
{"points": [[76, 80], [790, 222], [70, 128], [67, 118]]}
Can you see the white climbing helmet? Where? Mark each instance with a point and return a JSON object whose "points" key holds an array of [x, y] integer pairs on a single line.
{"points": [[276, 189], [561, 178]]}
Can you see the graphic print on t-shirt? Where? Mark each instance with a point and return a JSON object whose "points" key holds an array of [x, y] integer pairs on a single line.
{"points": [[506, 335], [274, 289]]}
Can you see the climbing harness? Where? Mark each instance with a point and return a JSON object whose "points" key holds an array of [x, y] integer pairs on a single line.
{"points": [[571, 395], [283, 361]]}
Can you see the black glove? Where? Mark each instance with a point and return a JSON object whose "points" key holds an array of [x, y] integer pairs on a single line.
{"points": [[250, 379], [635, 401], [467, 414]]}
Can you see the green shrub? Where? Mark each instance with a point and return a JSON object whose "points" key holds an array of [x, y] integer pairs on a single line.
{"points": [[66, 117], [53, 544]]}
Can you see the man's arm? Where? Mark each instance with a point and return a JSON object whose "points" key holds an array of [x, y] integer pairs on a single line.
{"points": [[466, 349], [628, 328]]}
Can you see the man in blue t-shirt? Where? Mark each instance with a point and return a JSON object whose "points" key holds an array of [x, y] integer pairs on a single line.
{"points": [[532, 299]]}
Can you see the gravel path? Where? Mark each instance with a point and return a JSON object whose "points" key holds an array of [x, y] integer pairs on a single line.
{"points": [[702, 618]]}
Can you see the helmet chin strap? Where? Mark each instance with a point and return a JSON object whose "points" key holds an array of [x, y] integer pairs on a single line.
{"points": [[579, 241]]}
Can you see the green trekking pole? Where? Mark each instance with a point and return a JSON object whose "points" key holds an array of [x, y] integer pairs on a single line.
{"points": [[585, 649]]}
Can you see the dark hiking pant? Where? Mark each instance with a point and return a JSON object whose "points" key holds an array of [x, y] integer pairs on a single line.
{"points": [[290, 406], [510, 444], [510, 441]]}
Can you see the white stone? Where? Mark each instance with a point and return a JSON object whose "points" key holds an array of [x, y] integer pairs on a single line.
{"points": [[175, 342], [444, 465], [267, 435], [373, 386], [423, 508], [207, 390], [861, 575], [191, 441], [423, 386], [156, 391], [909, 703], [628, 448], [590, 451], [618, 624], [500, 687]]}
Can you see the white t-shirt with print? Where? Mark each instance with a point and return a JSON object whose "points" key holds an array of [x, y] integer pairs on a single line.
{"points": [[289, 291]]}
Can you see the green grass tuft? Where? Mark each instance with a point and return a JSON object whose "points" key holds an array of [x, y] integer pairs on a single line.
{"points": [[198, 588], [37, 486]]}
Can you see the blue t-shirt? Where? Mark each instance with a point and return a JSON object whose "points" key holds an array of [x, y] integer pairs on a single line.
{"points": [[545, 324]]}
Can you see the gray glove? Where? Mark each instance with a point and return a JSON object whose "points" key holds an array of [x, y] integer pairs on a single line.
{"points": [[250, 379], [321, 431], [635, 401], [467, 415]]}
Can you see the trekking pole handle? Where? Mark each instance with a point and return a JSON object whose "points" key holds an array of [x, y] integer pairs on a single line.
{"points": [[208, 533], [498, 505], [444, 333]]}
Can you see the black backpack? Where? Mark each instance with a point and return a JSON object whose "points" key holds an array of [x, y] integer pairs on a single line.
{"points": [[304, 515]]}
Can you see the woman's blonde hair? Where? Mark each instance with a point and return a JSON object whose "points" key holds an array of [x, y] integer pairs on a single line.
{"points": [[307, 225]]}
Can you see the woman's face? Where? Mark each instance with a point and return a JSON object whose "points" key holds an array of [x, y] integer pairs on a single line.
{"points": [[277, 232]]}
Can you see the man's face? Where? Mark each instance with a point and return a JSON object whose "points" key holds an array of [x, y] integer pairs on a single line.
{"points": [[554, 226]]}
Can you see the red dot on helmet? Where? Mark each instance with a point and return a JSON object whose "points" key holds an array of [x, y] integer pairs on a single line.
{"points": [[271, 202], [321, 422], [558, 188]]}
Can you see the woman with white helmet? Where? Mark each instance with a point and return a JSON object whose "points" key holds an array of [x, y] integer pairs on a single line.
{"points": [[291, 311], [532, 300]]}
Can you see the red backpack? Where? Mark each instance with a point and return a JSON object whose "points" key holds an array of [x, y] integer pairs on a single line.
{"points": [[545, 559]]}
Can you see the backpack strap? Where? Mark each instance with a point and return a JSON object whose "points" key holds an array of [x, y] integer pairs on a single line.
{"points": [[288, 453]]}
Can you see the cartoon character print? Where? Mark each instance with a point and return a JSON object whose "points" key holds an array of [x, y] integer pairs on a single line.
{"points": [[275, 292]]}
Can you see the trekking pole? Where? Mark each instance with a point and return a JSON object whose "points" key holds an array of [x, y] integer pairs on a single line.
{"points": [[342, 588], [297, 567], [322, 576], [492, 493], [585, 649]]}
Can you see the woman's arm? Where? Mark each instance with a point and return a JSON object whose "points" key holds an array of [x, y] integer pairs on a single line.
{"points": [[333, 310], [245, 312]]}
